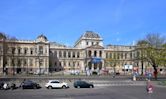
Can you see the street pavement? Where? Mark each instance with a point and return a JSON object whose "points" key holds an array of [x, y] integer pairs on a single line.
{"points": [[109, 92], [105, 88]]}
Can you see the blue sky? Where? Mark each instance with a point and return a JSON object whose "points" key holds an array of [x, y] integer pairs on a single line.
{"points": [[119, 22]]}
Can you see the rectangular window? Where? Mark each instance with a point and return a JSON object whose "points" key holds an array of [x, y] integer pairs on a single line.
{"points": [[40, 49], [78, 54], [73, 54], [86, 43], [69, 54]]}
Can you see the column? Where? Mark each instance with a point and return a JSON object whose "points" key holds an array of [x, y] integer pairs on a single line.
{"points": [[58, 53]]}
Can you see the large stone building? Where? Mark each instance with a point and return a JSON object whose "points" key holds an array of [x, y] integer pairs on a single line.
{"points": [[88, 56]]}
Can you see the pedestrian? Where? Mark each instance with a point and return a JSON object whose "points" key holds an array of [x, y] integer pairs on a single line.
{"points": [[22, 83], [149, 87], [5, 86]]}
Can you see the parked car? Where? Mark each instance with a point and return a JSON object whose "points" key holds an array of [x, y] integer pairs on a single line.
{"points": [[28, 84], [56, 84], [83, 84]]}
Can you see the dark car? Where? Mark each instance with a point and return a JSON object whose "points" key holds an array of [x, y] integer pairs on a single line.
{"points": [[82, 84], [28, 84]]}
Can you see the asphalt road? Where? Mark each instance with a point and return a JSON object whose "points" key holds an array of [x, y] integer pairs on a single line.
{"points": [[109, 92]]}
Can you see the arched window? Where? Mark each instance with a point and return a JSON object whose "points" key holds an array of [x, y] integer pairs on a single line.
{"points": [[95, 53], [89, 53], [100, 54]]}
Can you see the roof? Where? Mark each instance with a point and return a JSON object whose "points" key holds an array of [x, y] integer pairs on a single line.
{"points": [[42, 36], [91, 34]]}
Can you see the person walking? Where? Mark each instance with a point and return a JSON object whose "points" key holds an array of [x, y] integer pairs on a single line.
{"points": [[149, 87]]}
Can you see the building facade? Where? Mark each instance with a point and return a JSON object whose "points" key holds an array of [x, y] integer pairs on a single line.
{"points": [[88, 56]]}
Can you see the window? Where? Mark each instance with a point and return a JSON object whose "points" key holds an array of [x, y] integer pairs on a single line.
{"points": [[125, 55], [31, 62], [19, 50], [131, 55], [60, 54], [13, 62], [19, 62], [40, 62], [89, 53], [121, 55], [40, 49], [86, 43], [13, 50], [110, 55], [78, 54], [31, 51], [25, 50], [118, 56], [64, 63], [55, 53], [46, 50], [55, 63], [25, 62], [55, 82], [114, 55], [73, 54], [69, 54], [60, 64], [95, 53], [106, 55], [64, 54], [100, 53]]}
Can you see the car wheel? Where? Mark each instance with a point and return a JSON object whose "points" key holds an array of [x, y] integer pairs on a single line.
{"points": [[91, 86], [49, 87], [34, 87], [78, 86], [64, 87]]}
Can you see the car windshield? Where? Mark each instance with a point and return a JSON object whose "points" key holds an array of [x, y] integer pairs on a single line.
{"points": [[55, 82], [28, 81]]}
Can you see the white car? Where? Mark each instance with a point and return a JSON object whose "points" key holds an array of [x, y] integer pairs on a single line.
{"points": [[56, 84]]}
